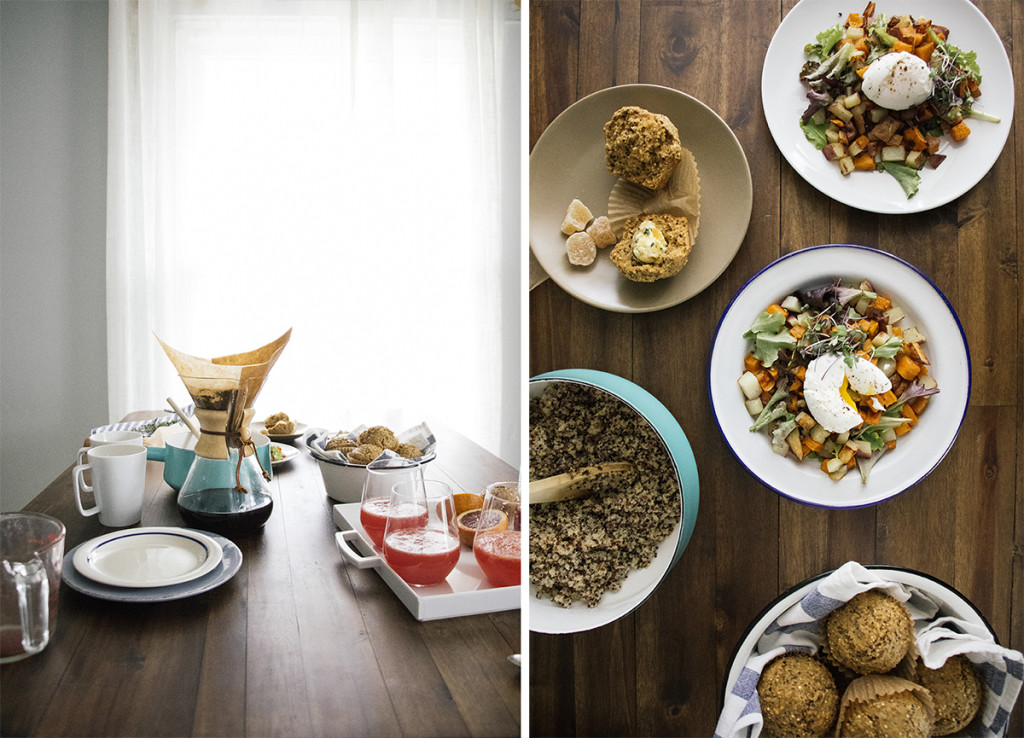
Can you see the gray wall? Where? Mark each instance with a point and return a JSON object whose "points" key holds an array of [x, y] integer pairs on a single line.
{"points": [[53, 148]]}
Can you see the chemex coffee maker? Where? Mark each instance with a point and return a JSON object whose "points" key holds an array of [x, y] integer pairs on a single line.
{"points": [[227, 490]]}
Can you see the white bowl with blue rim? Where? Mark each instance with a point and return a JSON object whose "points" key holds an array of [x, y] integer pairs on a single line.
{"points": [[545, 615], [916, 453]]}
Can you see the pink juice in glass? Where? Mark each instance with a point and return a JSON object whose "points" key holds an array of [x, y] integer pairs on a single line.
{"points": [[374, 516], [499, 554], [375, 512], [421, 555]]}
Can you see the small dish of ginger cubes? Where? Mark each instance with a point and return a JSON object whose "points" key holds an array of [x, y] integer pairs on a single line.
{"points": [[585, 237]]}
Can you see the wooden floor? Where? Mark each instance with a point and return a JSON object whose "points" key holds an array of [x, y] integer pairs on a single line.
{"points": [[660, 670]]}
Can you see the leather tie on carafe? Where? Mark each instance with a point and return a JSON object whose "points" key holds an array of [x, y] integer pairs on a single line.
{"points": [[242, 445]]}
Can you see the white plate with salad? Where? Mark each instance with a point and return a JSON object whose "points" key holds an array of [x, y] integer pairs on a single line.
{"points": [[908, 190], [281, 454], [903, 461]]}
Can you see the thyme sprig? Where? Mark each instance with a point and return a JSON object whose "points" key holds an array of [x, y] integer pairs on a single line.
{"points": [[834, 331]]}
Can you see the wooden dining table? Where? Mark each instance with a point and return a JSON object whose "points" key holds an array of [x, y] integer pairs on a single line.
{"points": [[297, 643], [661, 669]]}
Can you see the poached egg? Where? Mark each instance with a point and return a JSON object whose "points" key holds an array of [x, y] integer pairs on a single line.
{"points": [[825, 390], [897, 81]]}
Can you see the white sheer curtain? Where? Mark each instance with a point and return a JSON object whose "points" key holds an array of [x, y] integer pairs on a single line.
{"points": [[347, 168]]}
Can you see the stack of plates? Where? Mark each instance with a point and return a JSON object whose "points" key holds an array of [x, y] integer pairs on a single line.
{"points": [[151, 564]]}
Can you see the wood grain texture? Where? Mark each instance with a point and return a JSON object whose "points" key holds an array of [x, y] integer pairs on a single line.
{"points": [[660, 670], [297, 643]]}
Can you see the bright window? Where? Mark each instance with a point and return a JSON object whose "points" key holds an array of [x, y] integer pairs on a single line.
{"points": [[347, 169]]}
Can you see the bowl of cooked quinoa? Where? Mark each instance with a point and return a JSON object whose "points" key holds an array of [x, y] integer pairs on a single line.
{"points": [[596, 559]]}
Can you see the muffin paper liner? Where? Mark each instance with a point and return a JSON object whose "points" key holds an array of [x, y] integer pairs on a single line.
{"points": [[681, 196], [798, 629], [872, 686]]}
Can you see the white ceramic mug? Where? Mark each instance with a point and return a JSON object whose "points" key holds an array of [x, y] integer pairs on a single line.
{"points": [[118, 483], [109, 437]]}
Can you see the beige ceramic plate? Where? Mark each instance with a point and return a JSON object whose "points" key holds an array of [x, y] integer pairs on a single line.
{"points": [[568, 162]]}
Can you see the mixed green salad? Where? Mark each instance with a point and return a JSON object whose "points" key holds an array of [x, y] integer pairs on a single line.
{"points": [[884, 92]]}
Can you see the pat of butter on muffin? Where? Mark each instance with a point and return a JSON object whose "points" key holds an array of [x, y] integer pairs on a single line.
{"points": [[649, 244]]}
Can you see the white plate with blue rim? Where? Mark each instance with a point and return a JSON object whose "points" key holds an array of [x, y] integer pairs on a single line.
{"points": [[783, 97], [148, 557], [230, 563], [917, 453]]}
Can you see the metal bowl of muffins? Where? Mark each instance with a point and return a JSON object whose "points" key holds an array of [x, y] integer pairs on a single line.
{"points": [[342, 457], [817, 663], [596, 559]]}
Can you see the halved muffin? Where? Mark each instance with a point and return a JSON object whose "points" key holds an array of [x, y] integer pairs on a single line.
{"points": [[653, 246], [641, 147]]}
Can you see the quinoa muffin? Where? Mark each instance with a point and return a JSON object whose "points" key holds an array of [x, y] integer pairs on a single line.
{"points": [[281, 428], [870, 634], [888, 707], [641, 147], [379, 435], [364, 453], [957, 693], [653, 246], [798, 696], [278, 424], [275, 419], [408, 451], [340, 443]]}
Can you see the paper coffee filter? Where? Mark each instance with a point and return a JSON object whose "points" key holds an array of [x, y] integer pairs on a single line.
{"points": [[224, 390], [680, 197], [263, 355]]}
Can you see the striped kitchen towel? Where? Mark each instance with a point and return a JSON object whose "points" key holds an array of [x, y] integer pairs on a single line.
{"points": [[796, 629], [146, 427]]}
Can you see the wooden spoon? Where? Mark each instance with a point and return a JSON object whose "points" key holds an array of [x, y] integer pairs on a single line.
{"points": [[189, 423], [577, 484]]}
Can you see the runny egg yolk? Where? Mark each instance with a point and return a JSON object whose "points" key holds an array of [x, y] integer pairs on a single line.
{"points": [[843, 392], [829, 383]]}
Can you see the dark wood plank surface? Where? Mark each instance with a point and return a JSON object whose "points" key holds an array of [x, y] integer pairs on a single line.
{"points": [[296, 644], [660, 671]]}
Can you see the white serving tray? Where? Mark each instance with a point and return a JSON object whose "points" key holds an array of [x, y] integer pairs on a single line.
{"points": [[466, 591]]}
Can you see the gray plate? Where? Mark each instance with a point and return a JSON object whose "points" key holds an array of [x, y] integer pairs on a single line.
{"points": [[228, 567]]}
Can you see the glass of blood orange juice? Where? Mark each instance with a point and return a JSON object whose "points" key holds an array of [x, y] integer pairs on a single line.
{"points": [[497, 548], [421, 540], [381, 476]]}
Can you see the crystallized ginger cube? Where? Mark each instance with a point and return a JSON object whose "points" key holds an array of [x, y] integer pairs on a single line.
{"points": [[601, 231], [581, 249], [576, 218]]}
